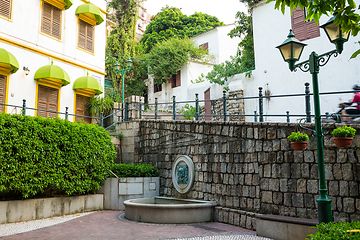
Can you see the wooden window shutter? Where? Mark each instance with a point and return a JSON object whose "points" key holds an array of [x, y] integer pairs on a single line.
{"points": [[81, 109], [82, 34], [5, 8], [303, 30], [51, 20], [2, 92], [178, 79], [56, 23], [205, 47], [86, 36], [89, 38], [48, 99]]}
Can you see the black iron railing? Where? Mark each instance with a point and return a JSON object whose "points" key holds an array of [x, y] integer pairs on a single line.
{"points": [[224, 115]]}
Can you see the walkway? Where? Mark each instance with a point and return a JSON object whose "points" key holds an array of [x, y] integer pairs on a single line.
{"points": [[104, 225]]}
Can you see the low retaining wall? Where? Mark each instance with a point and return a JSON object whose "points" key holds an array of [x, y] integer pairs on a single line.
{"points": [[24, 210], [284, 228], [236, 217]]}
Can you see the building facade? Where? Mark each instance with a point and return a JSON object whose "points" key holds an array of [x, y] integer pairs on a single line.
{"points": [[52, 54], [220, 46], [273, 74]]}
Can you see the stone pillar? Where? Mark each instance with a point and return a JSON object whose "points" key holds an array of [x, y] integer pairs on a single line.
{"points": [[130, 137], [134, 107]]}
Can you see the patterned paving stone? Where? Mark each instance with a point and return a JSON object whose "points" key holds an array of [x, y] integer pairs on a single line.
{"points": [[103, 225]]}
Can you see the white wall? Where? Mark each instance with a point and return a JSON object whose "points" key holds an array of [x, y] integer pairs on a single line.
{"points": [[24, 30], [271, 28], [220, 44]]}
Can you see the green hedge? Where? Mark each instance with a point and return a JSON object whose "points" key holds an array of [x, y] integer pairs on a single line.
{"points": [[134, 170], [43, 157], [336, 231]]}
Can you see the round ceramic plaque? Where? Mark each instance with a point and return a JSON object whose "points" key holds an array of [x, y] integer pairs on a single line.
{"points": [[183, 174]]}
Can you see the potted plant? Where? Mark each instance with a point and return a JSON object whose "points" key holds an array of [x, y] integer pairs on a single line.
{"points": [[298, 140], [343, 136]]}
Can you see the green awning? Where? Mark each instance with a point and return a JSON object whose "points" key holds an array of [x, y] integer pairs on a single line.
{"points": [[88, 83], [90, 14], [69, 3], [61, 3], [8, 62], [52, 72]]}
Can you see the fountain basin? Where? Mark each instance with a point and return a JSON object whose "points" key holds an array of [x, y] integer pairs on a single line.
{"points": [[169, 210]]}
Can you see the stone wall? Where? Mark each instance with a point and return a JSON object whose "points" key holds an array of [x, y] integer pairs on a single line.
{"points": [[252, 167], [130, 138], [234, 107]]}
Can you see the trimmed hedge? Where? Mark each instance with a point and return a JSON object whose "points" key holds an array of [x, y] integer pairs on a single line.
{"points": [[134, 170], [336, 231], [51, 156]]}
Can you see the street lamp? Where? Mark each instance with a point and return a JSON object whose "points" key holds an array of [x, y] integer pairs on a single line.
{"points": [[291, 50], [129, 64]]}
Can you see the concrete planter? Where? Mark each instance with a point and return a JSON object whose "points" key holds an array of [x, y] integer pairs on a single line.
{"points": [[24, 210], [118, 190]]}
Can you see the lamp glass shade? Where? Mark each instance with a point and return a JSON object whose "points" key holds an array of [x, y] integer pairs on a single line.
{"points": [[117, 66], [291, 48], [332, 31], [297, 50], [129, 63], [286, 51], [291, 51]]}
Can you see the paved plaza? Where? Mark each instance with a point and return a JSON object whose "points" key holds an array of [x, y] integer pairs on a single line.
{"points": [[104, 225]]}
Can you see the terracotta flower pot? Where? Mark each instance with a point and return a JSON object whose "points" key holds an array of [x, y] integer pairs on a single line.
{"points": [[298, 146], [342, 142]]}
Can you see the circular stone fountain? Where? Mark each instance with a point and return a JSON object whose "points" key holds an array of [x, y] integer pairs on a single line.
{"points": [[172, 210]]}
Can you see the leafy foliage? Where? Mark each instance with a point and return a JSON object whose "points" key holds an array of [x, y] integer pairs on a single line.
{"points": [[121, 45], [336, 231], [298, 137], [96, 105], [200, 79], [188, 112], [134, 170], [170, 22], [43, 157], [244, 61], [170, 55], [345, 12], [344, 131]]}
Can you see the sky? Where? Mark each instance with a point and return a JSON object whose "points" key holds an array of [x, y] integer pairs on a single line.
{"points": [[224, 10]]}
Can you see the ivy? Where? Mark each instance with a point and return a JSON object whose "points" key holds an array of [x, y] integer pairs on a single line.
{"points": [[170, 22], [121, 45], [168, 56]]}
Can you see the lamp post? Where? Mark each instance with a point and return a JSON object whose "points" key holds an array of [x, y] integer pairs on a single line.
{"points": [[291, 50], [129, 64]]}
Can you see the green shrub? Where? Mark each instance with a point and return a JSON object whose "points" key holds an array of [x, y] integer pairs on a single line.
{"points": [[45, 157], [298, 137], [336, 231], [134, 170], [344, 131]]}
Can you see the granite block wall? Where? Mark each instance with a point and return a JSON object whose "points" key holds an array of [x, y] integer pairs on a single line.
{"points": [[251, 167]]}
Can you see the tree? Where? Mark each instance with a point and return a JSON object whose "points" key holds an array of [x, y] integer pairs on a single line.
{"points": [[170, 22], [168, 56], [344, 11]]}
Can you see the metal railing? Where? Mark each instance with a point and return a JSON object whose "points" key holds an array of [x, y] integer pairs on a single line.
{"points": [[124, 111], [258, 116]]}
